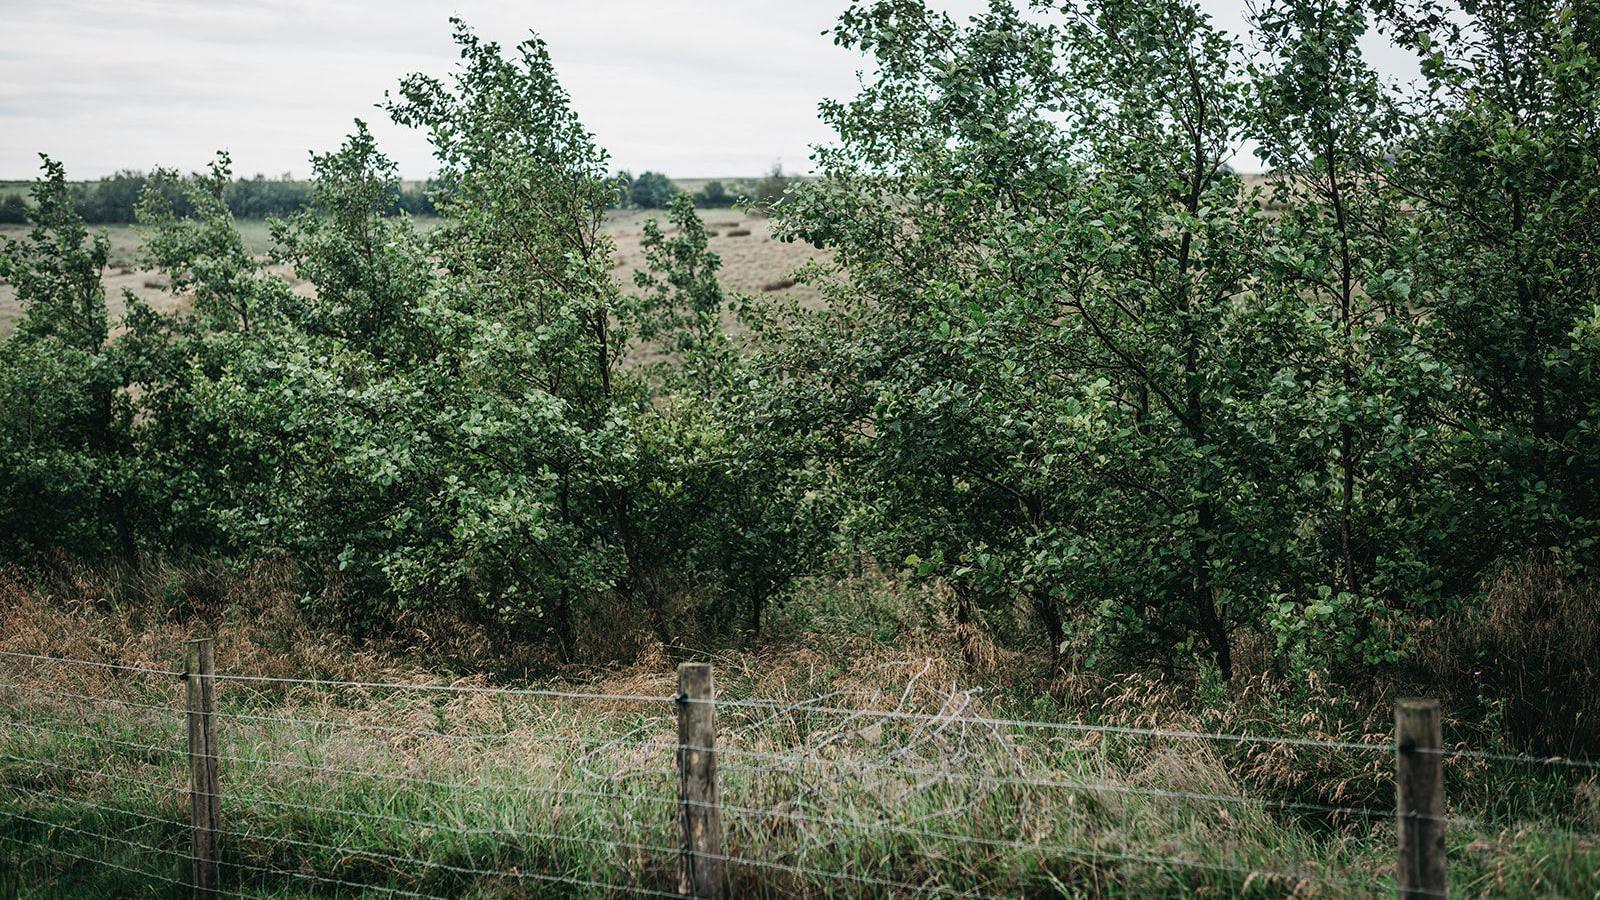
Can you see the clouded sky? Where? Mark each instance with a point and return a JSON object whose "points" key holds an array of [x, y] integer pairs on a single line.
{"points": [[689, 87]]}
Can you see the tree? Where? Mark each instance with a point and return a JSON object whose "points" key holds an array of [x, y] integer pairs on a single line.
{"points": [[651, 190], [1044, 328], [713, 195], [63, 418], [1364, 438], [1499, 166]]}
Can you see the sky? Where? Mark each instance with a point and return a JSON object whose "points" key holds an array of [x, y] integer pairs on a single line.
{"points": [[693, 88]]}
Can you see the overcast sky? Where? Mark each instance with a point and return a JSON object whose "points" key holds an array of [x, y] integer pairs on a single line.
{"points": [[688, 87]]}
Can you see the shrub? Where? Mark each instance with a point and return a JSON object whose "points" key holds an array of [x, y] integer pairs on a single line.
{"points": [[13, 210], [651, 190], [713, 195]]}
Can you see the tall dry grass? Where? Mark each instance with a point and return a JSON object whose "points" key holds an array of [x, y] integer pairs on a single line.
{"points": [[477, 794]]}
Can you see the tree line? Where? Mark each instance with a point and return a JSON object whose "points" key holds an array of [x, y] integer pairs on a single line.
{"points": [[1069, 363], [653, 190], [114, 199]]}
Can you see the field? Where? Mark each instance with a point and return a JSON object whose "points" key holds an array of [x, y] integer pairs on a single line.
{"points": [[750, 261]]}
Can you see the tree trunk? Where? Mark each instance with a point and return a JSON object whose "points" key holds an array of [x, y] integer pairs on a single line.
{"points": [[1044, 606]]}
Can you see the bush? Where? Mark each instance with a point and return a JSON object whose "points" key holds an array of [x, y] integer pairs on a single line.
{"points": [[713, 195], [651, 190], [13, 210]]}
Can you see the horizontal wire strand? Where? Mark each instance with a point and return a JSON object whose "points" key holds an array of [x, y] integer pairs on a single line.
{"points": [[324, 879], [449, 867], [96, 861], [1083, 727], [95, 834], [1525, 758], [72, 695], [804, 706], [976, 777], [833, 821], [98, 774], [89, 662], [449, 688]]}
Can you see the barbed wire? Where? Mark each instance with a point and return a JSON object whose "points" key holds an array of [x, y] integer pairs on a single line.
{"points": [[448, 867], [1526, 758], [421, 732], [121, 667], [1087, 786], [864, 765], [1083, 727], [322, 879], [773, 709], [1004, 843], [810, 706], [100, 807], [94, 698], [83, 735], [448, 688], [125, 779], [136, 845]]}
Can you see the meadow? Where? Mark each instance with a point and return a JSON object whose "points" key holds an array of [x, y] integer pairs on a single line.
{"points": [[752, 262]]}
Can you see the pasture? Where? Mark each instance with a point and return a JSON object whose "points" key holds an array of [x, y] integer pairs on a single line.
{"points": [[750, 261]]}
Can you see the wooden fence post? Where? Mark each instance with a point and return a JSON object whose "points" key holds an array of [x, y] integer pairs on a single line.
{"points": [[1419, 798], [205, 790], [700, 861]]}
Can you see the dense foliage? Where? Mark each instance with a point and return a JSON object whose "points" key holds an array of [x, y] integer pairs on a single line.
{"points": [[650, 190], [1069, 361], [1070, 358]]}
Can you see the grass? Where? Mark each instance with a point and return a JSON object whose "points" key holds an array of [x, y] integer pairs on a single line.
{"points": [[509, 795]]}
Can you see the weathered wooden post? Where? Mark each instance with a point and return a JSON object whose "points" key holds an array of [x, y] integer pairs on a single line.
{"points": [[205, 790], [700, 871], [1419, 798]]}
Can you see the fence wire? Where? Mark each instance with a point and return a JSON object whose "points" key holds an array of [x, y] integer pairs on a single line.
{"points": [[838, 813]]}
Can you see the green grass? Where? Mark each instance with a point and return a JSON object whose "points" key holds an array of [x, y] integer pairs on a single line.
{"points": [[490, 795], [344, 791]]}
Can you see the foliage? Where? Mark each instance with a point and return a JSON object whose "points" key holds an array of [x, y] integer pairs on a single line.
{"points": [[115, 199], [13, 210], [713, 195], [651, 190], [1069, 363], [62, 420]]}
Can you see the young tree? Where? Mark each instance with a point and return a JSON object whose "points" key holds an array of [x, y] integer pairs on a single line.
{"points": [[1366, 441], [651, 190], [63, 416], [1500, 168]]}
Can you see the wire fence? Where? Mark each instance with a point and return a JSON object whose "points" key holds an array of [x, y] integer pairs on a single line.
{"points": [[333, 787]]}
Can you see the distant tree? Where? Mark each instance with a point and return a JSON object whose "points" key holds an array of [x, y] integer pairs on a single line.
{"points": [[713, 195], [771, 188], [651, 190], [13, 210], [262, 198]]}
